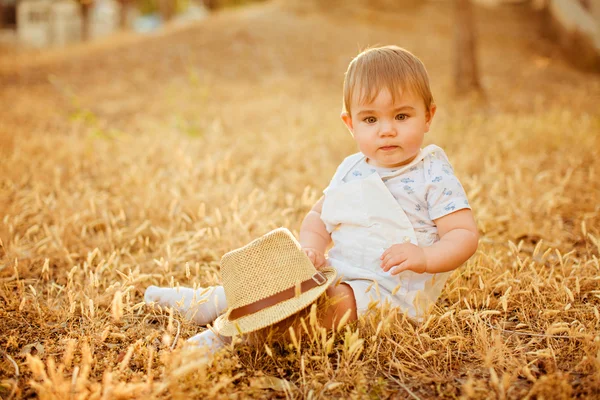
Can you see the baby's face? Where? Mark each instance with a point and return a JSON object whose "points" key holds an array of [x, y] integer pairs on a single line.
{"points": [[389, 133]]}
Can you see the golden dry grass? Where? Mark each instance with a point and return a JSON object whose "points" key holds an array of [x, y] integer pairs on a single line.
{"points": [[142, 161]]}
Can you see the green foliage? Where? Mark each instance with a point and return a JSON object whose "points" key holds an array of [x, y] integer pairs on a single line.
{"points": [[152, 6], [147, 6], [231, 3]]}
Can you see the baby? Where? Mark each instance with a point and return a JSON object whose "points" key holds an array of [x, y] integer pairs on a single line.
{"points": [[397, 216]]}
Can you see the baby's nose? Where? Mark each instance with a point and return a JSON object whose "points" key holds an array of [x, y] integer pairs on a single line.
{"points": [[386, 128]]}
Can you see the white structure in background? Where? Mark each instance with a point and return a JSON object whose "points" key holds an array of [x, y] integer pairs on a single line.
{"points": [[65, 23], [33, 19], [194, 12], [45, 23], [104, 18]]}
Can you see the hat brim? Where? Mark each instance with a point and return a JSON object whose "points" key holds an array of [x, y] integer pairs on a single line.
{"points": [[274, 314]]}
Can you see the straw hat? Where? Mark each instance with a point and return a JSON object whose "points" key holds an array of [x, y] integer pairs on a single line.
{"points": [[266, 281]]}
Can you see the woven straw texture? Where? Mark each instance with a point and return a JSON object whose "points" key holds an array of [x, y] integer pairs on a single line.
{"points": [[262, 268]]}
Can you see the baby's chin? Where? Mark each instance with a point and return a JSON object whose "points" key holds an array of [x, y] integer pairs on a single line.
{"points": [[384, 162]]}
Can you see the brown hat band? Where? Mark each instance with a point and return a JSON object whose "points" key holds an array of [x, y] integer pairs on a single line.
{"points": [[317, 279]]}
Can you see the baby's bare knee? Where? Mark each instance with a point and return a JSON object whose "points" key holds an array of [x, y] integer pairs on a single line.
{"points": [[331, 309], [342, 297]]}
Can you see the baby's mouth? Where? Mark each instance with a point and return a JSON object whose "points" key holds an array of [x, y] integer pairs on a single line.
{"points": [[388, 148]]}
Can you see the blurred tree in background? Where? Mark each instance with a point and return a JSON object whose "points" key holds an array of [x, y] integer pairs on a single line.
{"points": [[8, 13], [167, 9], [170, 7], [86, 7], [215, 4], [466, 72], [126, 6]]}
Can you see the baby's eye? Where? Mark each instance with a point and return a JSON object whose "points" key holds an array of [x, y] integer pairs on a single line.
{"points": [[370, 120], [401, 117]]}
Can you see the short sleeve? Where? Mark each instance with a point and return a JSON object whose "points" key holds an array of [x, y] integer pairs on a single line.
{"points": [[341, 170], [445, 193]]}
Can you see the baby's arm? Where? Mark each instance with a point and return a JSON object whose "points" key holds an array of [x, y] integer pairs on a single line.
{"points": [[314, 237], [458, 242]]}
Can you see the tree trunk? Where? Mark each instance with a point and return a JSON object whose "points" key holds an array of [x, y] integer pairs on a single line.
{"points": [[167, 9], [1, 15], [123, 13], [211, 4], [466, 76], [86, 7]]}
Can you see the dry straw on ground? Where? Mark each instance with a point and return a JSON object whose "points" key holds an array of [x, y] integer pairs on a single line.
{"points": [[142, 161]]}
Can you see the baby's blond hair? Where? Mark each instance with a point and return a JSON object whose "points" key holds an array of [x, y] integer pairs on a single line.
{"points": [[388, 67]]}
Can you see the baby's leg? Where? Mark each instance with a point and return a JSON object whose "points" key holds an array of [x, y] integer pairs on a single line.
{"points": [[328, 318], [201, 306], [330, 312], [332, 315], [209, 339]]}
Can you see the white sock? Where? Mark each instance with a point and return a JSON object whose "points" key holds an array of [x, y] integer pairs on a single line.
{"points": [[202, 306], [210, 340]]}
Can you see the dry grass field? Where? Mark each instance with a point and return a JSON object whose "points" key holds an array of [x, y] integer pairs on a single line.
{"points": [[142, 160]]}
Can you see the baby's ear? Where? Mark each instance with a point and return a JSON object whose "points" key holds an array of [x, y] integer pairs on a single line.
{"points": [[430, 114], [347, 121]]}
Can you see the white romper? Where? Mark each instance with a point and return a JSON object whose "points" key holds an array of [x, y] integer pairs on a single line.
{"points": [[368, 209]]}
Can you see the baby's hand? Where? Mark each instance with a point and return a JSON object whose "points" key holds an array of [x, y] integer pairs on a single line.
{"points": [[403, 257], [316, 257]]}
